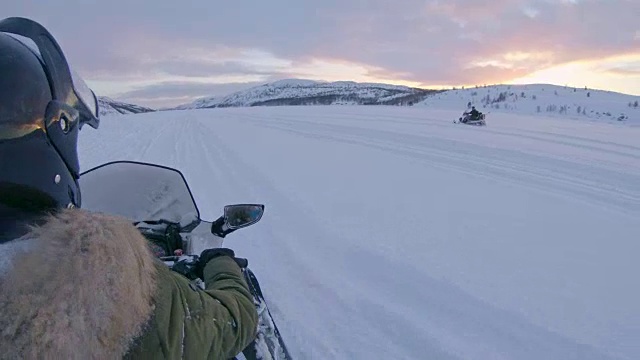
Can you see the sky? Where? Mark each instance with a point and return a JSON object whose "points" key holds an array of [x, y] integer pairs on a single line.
{"points": [[162, 53]]}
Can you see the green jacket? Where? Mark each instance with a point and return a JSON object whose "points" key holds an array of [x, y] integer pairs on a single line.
{"points": [[86, 286], [192, 323]]}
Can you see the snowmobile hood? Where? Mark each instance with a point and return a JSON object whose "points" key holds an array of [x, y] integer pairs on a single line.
{"points": [[79, 286]]}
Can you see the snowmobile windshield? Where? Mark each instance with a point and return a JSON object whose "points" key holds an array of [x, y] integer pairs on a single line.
{"points": [[140, 192], [66, 85]]}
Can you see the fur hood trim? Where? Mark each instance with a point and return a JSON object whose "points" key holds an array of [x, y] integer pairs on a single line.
{"points": [[82, 289]]}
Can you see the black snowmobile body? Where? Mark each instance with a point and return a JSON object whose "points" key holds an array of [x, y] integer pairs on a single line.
{"points": [[466, 118], [158, 201]]}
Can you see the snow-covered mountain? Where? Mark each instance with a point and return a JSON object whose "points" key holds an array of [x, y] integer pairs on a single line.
{"points": [[109, 106], [542, 99], [309, 92], [534, 99]]}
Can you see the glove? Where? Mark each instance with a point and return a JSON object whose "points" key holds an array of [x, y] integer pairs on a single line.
{"points": [[209, 254]]}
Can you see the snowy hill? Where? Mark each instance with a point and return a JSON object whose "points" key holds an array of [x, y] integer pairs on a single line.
{"points": [[419, 238], [309, 92], [109, 106], [535, 99], [542, 99]]}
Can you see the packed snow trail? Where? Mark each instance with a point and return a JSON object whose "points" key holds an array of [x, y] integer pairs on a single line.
{"points": [[393, 233]]}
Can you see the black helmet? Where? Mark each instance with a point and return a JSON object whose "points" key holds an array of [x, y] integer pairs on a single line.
{"points": [[43, 105]]}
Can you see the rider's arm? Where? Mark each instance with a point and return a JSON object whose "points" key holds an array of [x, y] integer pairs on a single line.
{"points": [[188, 322], [225, 284]]}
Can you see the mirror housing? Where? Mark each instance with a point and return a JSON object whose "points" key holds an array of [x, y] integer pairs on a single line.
{"points": [[236, 217]]}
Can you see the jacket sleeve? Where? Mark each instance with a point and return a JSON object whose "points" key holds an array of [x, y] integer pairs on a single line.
{"points": [[233, 304], [192, 323]]}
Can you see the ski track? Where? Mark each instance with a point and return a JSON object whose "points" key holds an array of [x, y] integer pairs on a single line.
{"points": [[312, 291], [422, 121], [368, 304], [337, 295], [499, 165], [564, 139]]}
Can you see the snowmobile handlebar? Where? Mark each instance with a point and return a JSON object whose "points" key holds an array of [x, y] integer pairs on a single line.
{"points": [[187, 265]]}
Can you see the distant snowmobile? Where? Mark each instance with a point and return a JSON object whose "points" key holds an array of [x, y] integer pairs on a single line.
{"points": [[468, 119]]}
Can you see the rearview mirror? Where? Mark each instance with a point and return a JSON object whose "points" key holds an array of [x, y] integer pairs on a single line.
{"points": [[237, 217]]}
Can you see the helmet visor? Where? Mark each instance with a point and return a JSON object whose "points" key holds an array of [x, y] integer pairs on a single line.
{"points": [[67, 86], [88, 99]]}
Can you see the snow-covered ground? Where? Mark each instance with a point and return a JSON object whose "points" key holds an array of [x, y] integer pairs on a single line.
{"points": [[390, 232]]}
